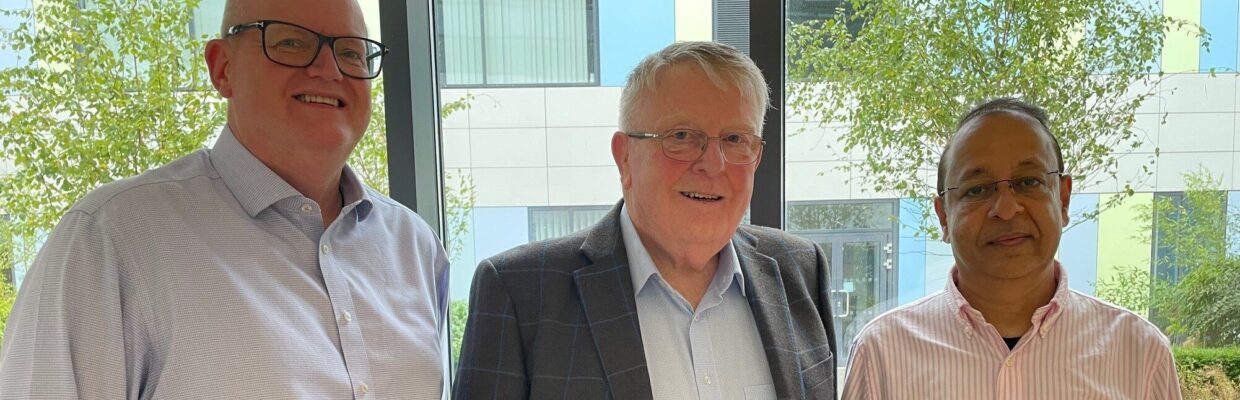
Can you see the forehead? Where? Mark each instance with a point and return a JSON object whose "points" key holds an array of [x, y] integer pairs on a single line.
{"points": [[997, 143], [683, 94], [329, 17]]}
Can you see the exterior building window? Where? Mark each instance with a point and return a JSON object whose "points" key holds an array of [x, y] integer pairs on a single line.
{"points": [[554, 222], [488, 43]]}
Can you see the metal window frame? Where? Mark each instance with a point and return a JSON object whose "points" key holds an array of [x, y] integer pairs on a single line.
{"points": [[766, 48], [411, 94]]}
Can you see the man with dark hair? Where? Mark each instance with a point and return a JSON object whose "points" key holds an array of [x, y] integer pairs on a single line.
{"points": [[1007, 326]]}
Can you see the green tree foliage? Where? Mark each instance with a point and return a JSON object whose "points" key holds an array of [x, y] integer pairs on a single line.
{"points": [[109, 90], [459, 309], [1130, 287], [118, 87], [1202, 306], [914, 66], [8, 294]]}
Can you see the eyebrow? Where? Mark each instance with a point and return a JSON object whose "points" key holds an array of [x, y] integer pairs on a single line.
{"points": [[1028, 163]]}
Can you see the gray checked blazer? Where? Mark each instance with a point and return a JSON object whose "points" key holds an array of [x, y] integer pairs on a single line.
{"points": [[557, 320]]}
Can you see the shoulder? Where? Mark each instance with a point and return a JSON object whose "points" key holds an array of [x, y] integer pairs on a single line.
{"points": [[155, 185], [1115, 320], [771, 238], [782, 246], [392, 212], [916, 318], [562, 254]]}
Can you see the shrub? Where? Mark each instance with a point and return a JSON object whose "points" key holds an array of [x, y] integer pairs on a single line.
{"points": [[1193, 359]]}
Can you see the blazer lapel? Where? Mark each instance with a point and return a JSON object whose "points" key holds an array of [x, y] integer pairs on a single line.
{"points": [[606, 293], [768, 301]]}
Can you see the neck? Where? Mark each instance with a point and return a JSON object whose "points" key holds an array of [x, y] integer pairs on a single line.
{"points": [[1008, 304], [687, 273], [324, 189]]}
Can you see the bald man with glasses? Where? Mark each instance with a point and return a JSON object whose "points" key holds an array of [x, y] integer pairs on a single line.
{"points": [[1006, 326], [261, 268]]}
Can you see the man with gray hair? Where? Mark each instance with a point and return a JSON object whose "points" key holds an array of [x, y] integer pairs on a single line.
{"points": [[667, 297], [261, 268]]}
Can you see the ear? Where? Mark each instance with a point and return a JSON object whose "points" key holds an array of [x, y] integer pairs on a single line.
{"points": [[939, 209], [219, 57], [1065, 196], [620, 153]]}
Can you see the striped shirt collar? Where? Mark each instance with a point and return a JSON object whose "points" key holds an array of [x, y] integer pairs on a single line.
{"points": [[642, 268], [257, 187], [970, 319]]}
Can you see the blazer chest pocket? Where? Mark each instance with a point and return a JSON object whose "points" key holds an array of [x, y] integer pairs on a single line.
{"points": [[818, 372]]}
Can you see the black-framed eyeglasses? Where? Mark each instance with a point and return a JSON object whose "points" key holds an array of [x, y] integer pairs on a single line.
{"points": [[1025, 186], [292, 45], [690, 145]]}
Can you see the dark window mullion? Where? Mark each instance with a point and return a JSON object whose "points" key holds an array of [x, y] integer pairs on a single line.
{"points": [[766, 47]]}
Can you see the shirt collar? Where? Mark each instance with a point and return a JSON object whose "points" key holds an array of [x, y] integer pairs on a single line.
{"points": [[257, 187], [353, 194], [642, 268], [1043, 318]]}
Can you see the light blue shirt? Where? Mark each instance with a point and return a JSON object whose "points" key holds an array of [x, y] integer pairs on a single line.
{"points": [[211, 277], [713, 352]]}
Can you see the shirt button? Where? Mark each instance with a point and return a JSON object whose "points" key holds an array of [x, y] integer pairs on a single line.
{"points": [[706, 379], [307, 208], [348, 317], [1009, 362], [363, 388], [325, 249]]}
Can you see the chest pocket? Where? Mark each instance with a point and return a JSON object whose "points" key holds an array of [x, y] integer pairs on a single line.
{"points": [[820, 372]]}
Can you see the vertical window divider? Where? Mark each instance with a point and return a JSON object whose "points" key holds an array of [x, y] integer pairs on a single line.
{"points": [[766, 48]]}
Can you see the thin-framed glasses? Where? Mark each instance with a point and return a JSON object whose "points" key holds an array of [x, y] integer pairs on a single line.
{"points": [[690, 144], [292, 45], [1025, 186]]}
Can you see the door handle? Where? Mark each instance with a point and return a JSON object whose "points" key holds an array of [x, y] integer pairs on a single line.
{"points": [[847, 304]]}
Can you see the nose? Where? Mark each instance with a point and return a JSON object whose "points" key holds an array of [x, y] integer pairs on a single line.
{"points": [[711, 162], [1004, 206], [324, 64]]}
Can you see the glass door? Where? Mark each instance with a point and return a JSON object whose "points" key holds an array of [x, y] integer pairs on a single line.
{"points": [[862, 280]]}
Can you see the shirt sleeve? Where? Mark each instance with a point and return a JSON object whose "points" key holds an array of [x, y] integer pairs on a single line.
{"points": [[1164, 382], [861, 382], [441, 264], [65, 337]]}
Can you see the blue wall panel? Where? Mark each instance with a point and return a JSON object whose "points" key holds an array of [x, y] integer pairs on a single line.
{"points": [[494, 230], [1219, 18], [628, 31], [1078, 248], [911, 262]]}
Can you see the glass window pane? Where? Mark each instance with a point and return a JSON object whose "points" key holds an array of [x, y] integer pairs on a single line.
{"points": [[521, 42]]}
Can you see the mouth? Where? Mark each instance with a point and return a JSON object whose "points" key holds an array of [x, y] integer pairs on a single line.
{"points": [[710, 198], [1010, 239], [320, 100]]}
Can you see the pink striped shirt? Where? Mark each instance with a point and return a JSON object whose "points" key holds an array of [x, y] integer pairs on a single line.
{"points": [[1079, 347]]}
